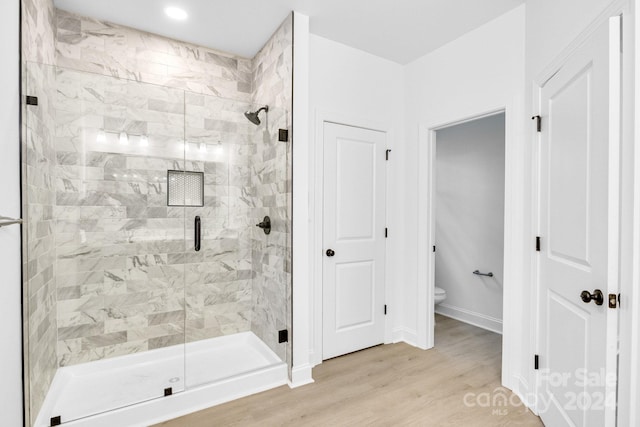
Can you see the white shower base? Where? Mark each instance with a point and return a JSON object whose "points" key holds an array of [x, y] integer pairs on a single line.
{"points": [[127, 390]]}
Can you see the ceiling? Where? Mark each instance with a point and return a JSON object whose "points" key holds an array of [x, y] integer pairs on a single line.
{"points": [[398, 30]]}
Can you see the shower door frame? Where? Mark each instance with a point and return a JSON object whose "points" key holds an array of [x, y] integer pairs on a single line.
{"points": [[29, 416]]}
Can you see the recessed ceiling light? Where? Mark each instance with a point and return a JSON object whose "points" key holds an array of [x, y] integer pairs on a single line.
{"points": [[176, 13]]}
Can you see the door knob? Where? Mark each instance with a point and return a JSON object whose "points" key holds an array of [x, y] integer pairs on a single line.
{"points": [[330, 252], [596, 296]]}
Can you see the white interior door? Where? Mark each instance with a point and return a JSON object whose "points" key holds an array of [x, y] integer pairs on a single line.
{"points": [[578, 227], [353, 239]]}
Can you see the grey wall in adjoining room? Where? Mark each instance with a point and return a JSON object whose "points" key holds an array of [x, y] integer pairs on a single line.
{"points": [[470, 219]]}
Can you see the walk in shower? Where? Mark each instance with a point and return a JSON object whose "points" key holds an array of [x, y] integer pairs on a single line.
{"points": [[145, 274]]}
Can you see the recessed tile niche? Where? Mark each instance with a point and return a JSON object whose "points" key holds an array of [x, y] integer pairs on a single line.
{"points": [[185, 188]]}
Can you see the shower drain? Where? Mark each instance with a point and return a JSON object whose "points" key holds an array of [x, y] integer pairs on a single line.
{"points": [[174, 379]]}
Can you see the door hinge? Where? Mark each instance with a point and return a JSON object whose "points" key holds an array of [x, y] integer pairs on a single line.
{"points": [[386, 232], [283, 135], [536, 362], [434, 248], [387, 154], [538, 120], [283, 336], [385, 309], [168, 391], [32, 100], [55, 421], [538, 243]]}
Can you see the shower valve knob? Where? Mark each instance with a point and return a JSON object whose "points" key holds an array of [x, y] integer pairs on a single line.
{"points": [[265, 225]]}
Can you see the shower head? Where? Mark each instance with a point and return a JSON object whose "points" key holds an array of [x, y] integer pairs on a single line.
{"points": [[253, 115]]}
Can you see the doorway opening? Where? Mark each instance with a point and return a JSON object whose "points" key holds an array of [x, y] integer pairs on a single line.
{"points": [[468, 229]]}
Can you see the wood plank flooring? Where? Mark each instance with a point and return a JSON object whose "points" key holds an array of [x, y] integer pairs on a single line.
{"points": [[389, 385]]}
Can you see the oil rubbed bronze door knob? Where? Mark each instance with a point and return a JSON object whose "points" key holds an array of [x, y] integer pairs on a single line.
{"points": [[596, 296], [330, 252]]}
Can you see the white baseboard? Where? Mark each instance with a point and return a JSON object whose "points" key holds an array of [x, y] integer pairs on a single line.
{"points": [[467, 316], [402, 334], [301, 375]]}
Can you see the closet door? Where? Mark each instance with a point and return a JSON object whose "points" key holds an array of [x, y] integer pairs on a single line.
{"points": [[353, 237]]}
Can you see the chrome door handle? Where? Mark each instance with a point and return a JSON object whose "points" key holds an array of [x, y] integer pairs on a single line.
{"points": [[596, 296], [4, 221]]}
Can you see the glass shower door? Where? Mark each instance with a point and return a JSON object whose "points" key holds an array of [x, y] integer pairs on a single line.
{"points": [[104, 247], [237, 285]]}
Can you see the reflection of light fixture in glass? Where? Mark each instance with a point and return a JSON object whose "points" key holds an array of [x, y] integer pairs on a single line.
{"points": [[176, 13], [101, 137], [203, 147], [144, 141], [124, 138]]}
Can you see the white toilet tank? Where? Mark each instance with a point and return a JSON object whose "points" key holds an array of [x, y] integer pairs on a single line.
{"points": [[440, 295]]}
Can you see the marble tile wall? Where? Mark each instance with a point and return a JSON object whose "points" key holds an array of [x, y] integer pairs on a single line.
{"points": [[219, 276], [38, 157], [120, 248], [121, 252], [40, 272], [87, 44], [39, 31], [271, 180]]}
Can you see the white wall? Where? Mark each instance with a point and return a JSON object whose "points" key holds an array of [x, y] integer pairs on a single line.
{"points": [[481, 72], [360, 89], [470, 220], [10, 299], [552, 25]]}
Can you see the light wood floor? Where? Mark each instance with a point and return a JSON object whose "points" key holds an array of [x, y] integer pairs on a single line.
{"points": [[388, 385]]}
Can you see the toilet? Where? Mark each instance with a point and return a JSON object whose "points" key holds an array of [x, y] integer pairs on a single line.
{"points": [[440, 295]]}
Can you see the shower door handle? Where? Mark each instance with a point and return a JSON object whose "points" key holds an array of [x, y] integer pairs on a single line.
{"points": [[197, 234]]}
